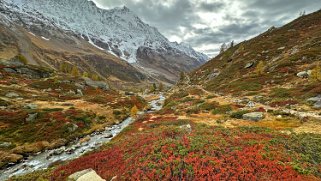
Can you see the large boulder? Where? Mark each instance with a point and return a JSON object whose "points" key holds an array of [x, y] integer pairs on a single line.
{"points": [[85, 175], [254, 116], [96, 84], [316, 101]]}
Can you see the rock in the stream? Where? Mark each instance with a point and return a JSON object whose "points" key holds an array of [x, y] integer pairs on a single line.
{"points": [[12, 95], [108, 135], [32, 117], [85, 175], [254, 116]]}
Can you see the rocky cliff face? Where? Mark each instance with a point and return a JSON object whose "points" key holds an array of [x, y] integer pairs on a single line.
{"points": [[118, 31]]}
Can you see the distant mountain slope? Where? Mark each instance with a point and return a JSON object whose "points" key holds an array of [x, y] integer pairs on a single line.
{"points": [[280, 53], [46, 45], [119, 31]]}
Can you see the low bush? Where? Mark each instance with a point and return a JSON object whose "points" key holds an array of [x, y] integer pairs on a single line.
{"points": [[238, 114], [223, 109]]}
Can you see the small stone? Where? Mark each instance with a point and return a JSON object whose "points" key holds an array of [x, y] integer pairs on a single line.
{"points": [[317, 105], [108, 135], [254, 116], [187, 128], [250, 104], [5, 144], [72, 128], [249, 65], [31, 106], [303, 74], [12, 95], [79, 92], [32, 117]]}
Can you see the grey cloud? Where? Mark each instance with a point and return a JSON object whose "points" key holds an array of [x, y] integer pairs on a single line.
{"points": [[249, 19], [213, 6]]}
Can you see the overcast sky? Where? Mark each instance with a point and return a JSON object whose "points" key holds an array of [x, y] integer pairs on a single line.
{"points": [[206, 24]]}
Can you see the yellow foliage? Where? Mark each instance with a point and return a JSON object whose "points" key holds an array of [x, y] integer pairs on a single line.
{"points": [[260, 68], [134, 111], [94, 77], [316, 73], [75, 71], [85, 74], [22, 59]]}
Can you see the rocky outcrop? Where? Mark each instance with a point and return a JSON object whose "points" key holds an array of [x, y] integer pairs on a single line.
{"points": [[316, 101], [14, 66], [254, 116], [96, 84]]}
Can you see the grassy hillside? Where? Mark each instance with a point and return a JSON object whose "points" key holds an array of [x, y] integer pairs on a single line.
{"points": [[282, 52]]}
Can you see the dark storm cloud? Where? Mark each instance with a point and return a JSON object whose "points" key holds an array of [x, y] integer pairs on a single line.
{"points": [[205, 24]]}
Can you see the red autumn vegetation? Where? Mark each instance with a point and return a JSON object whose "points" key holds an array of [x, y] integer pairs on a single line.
{"points": [[166, 151]]}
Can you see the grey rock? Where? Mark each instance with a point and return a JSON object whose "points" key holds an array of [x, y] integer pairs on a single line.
{"points": [[72, 128], [303, 74], [215, 73], [96, 84], [317, 105], [187, 128], [80, 86], [9, 70], [315, 99], [108, 135], [85, 175], [12, 95], [31, 106], [250, 104], [249, 65], [5, 144], [32, 117], [79, 92], [13, 62], [59, 151], [254, 116]]}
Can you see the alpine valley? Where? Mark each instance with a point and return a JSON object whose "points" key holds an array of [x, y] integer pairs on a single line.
{"points": [[91, 94]]}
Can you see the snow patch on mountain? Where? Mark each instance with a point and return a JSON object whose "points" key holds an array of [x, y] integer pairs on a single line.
{"points": [[119, 29]]}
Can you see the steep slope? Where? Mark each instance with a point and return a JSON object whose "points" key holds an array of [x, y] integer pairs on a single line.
{"points": [[47, 45], [281, 57], [119, 31]]}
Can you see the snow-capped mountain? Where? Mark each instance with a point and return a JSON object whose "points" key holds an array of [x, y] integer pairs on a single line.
{"points": [[118, 31], [120, 28]]}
